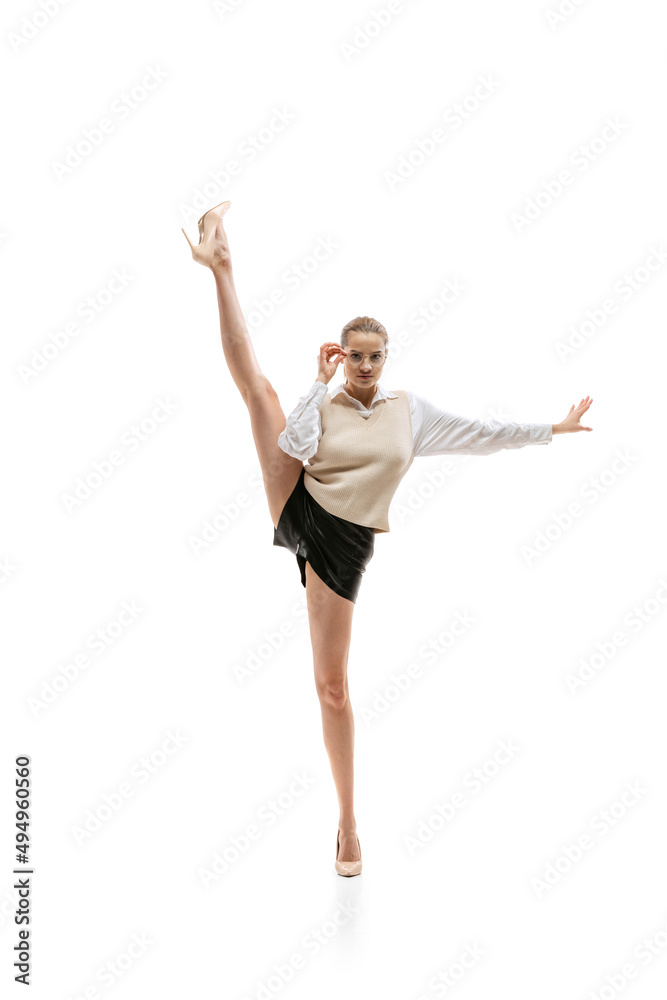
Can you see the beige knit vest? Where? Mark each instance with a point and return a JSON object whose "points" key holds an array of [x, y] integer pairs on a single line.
{"points": [[361, 460]]}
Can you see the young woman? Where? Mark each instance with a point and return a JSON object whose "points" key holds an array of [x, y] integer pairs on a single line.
{"points": [[359, 442]]}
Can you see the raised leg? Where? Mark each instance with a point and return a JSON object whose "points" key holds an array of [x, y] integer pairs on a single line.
{"points": [[330, 621], [280, 471]]}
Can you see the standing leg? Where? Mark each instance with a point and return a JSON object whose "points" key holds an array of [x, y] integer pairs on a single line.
{"points": [[330, 621]]}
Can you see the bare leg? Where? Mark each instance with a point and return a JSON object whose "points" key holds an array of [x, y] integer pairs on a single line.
{"points": [[280, 471], [330, 616], [330, 621]]}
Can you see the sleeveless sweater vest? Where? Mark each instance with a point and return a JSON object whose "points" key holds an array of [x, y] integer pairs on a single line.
{"points": [[361, 460]]}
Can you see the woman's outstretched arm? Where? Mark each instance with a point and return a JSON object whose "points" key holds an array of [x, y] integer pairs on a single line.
{"points": [[439, 432]]}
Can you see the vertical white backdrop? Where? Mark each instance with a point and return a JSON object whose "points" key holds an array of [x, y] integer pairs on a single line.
{"points": [[487, 180]]}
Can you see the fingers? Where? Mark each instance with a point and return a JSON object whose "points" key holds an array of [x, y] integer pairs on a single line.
{"points": [[336, 353], [329, 349], [331, 356], [332, 343], [582, 406]]}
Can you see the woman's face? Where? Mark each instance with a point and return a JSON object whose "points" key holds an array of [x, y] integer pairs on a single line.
{"points": [[368, 344]]}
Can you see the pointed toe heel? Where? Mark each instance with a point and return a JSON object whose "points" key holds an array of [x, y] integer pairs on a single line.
{"points": [[204, 251], [347, 868]]}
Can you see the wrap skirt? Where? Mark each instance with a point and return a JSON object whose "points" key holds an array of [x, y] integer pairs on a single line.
{"points": [[338, 550]]}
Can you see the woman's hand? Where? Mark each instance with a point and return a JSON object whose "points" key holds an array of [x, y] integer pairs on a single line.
{"points": [[572, 421], [331, 355]]}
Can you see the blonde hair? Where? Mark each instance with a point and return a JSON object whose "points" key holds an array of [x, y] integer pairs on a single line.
{"points": [[363, 324]]}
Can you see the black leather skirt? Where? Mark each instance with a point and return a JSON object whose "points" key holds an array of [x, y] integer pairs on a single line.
{"points": [[338, 550]]}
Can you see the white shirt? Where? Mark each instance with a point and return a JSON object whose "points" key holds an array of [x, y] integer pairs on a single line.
{"points": [[434, 431]]}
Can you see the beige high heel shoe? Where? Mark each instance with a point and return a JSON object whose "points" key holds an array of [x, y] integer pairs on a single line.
{"points": [[203, 253], [347, 867]]}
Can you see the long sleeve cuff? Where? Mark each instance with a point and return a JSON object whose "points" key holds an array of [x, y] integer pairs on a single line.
{"points": [[541, 433], [316, 386]]}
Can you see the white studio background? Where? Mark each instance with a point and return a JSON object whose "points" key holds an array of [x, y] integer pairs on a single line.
{"points": [[125, 640]]}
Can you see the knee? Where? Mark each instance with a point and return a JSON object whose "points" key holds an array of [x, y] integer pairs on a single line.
{"points": [[258, 388], [333, 693]]}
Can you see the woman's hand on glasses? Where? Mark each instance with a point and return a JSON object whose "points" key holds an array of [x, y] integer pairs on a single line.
{"points": [[331, 355]]}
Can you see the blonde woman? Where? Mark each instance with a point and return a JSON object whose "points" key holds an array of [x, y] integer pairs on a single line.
{"points": [[358, 442]]}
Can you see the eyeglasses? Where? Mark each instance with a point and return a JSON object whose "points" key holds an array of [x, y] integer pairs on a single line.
{"points": [[355, 359]]}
